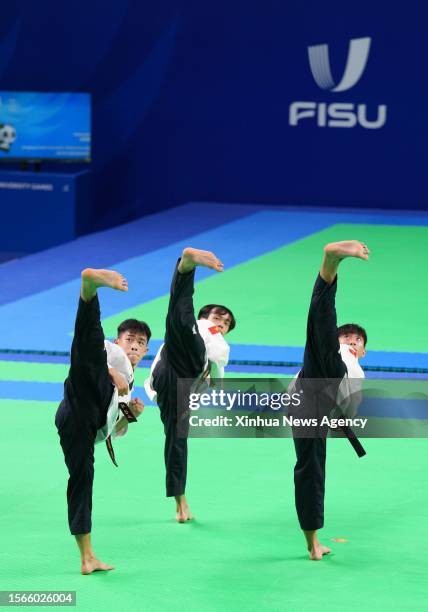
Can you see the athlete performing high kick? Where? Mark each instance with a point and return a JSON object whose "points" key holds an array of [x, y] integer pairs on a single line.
{"points": [[97, 405], [192, 349], [330, 353]]}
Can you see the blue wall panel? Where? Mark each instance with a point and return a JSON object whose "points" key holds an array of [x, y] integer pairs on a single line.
{"points": [[191, 100]]}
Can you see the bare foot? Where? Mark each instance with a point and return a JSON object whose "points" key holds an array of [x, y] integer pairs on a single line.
{"points": [[191, 258], [335, 252], [347, 248], [317, 551], [183, 513], [94, 565], [92, 279], [315, 548]]}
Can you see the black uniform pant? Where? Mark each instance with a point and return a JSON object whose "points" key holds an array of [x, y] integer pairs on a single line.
{"points": [[87, 394], [183, 357], [321, 361]]}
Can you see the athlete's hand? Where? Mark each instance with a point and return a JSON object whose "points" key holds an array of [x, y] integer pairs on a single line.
{"points": [[119, 381], [137, 406]]}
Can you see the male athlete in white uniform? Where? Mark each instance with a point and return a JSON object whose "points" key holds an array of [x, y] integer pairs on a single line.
{"points": [[96, 395], [330, 353], [192, 349]]}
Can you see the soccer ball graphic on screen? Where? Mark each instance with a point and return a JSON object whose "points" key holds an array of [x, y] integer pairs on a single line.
{"points": [[7, 136]]}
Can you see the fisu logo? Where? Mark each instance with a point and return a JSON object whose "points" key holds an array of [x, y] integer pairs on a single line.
{"points": [[338, 114], [357, 59]]}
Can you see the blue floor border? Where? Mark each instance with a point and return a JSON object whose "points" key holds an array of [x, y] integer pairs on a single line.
{"points": [[404, 408]]}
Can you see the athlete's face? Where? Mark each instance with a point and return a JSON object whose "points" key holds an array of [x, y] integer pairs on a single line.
{"points": [[134, 344], [222, 321], [354, 340]]}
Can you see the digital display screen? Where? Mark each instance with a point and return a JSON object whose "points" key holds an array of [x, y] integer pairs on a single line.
{"points": [[50, 126]]}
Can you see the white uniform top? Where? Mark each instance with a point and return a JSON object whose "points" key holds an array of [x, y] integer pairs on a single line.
{"points": [[348, 394], [117, 359], [216, 354]]}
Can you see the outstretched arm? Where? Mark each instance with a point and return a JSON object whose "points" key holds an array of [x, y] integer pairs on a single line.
{"points": [[335, 252]]}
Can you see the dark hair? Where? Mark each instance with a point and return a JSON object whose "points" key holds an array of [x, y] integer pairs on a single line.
{"points": [[205, 312], [352, 328], [139, 327]]}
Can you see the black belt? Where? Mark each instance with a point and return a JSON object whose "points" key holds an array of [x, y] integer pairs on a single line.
{"points": [[130, 418], [355, 443]]}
